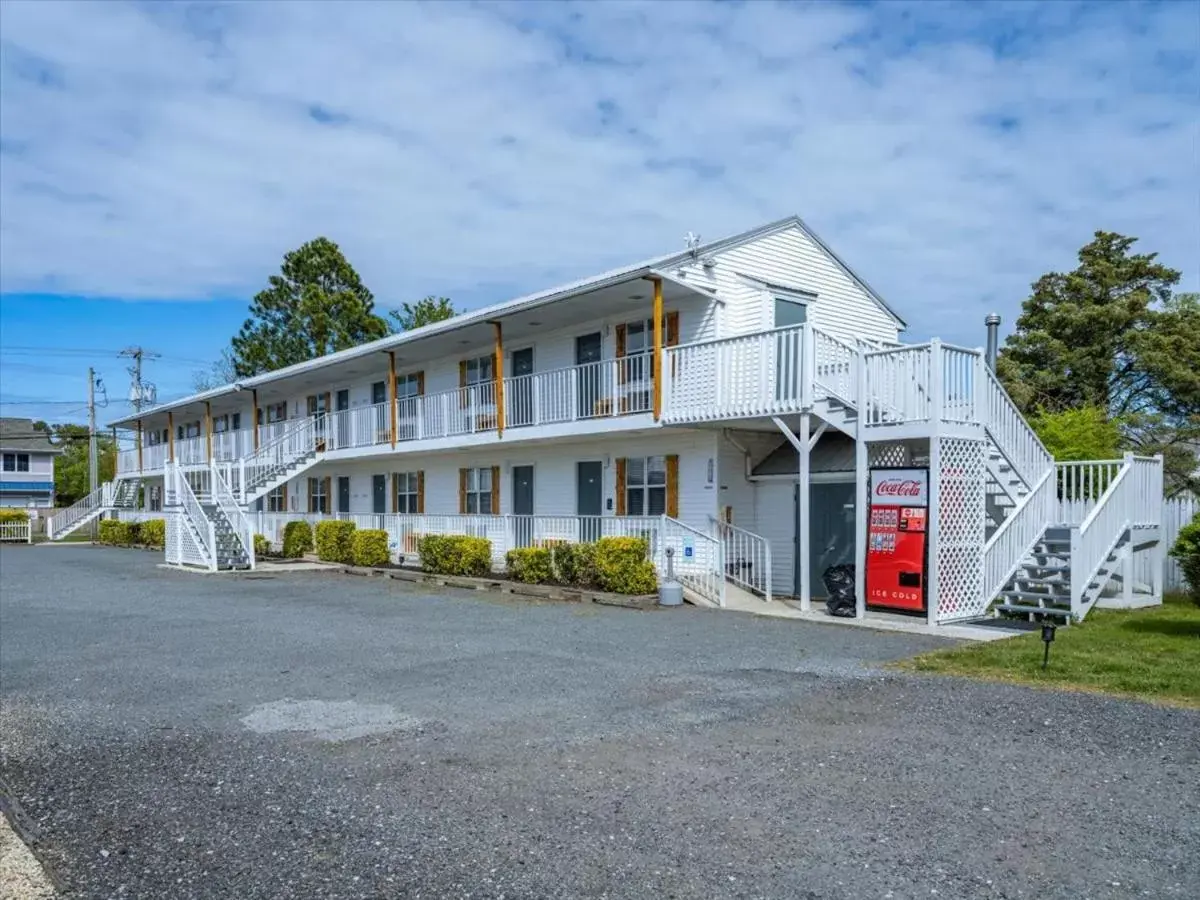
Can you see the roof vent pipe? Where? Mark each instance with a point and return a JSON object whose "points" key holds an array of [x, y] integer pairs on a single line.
{"points": [[993, 339]]}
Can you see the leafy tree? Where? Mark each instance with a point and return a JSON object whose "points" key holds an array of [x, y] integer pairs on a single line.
{"points": [[71, 481], [316, 305], [220, 373], [423, 312], [1111, 335], [1078, 434]]}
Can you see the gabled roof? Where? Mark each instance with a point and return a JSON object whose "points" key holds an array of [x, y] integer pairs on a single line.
{"points": [[19, 434], [655, 265]]}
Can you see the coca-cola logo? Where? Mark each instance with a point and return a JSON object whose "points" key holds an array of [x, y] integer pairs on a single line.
{"points": [[896, 487]]}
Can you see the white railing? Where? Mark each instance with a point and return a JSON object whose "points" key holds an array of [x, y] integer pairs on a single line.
{"points": [[1080, 486], [64, 521], [201, 551], [134, 515], [229, 445], [154, 456], [592, 390], [192, 451], [464, 410], [268, 462], [739, 377], [21, 532], [961, 371], [698, 560], [898, 386], [270, 432], [1146, 510], [227, 503], [747, 557], [127, 461], [1011, 433], [1017, 535], [834, 367], [1094, 541], [363, 426]]}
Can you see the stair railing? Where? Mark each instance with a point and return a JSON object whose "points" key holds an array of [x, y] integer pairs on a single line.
{"points": [[834, 363], [747, 557], [201, 551], [1010, 432], [227, 503], [274, 457], [1018, 534], [702, 569], [66, 520]]}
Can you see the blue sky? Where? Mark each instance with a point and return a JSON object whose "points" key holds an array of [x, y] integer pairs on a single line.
{"points": [[157, 160]]}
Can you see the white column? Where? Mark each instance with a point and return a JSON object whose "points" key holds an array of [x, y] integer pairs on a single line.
{"points": [[803, 524], [860, 488], [933, 521]]}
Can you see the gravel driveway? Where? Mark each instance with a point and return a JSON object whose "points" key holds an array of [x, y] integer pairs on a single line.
{"points": [[176, 735]]}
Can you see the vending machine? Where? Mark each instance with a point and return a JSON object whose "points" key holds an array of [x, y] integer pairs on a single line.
{"points": [[896, 553]]}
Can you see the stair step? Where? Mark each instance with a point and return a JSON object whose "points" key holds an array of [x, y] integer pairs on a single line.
{"points": [[1034, 610], [1034, 595]]}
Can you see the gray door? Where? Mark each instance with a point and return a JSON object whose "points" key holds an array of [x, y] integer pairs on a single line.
{"points": [[589, 498], [342, 402], [588, 349], [343, 494], [522, 504], [379, 494], [831, 542], [520, 399]]}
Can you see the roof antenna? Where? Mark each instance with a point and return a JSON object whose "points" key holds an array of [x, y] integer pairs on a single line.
{"points": [[693, 243]]}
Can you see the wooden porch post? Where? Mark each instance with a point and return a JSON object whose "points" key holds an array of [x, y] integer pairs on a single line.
{"points": [[392, 393], [208, 430], [139, 444], [171, 436], [254, 417], [658, 347], [499, 378]]}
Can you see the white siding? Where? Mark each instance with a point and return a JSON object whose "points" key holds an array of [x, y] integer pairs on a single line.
{"points": [[554, 473], [791, 258]]}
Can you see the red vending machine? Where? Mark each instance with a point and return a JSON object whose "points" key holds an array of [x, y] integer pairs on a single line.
{"points": [[896, 559]]}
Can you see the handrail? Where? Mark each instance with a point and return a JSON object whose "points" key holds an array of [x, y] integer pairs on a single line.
{"points": [[228, 505], [66, 519], [733, 337], [276, 455], [704, 572], [747, 557], [1094, 540], [194, 513], [1017, 535]]}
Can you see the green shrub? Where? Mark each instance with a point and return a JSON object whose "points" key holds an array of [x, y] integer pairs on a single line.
{"points": [[13, 515], [455, 554], [622, 566], [573, 563], [1187, 551], [371, 547], [297, 539], [117, 533], [335, 541], [153, 532], [529, 564], [262, 546]]}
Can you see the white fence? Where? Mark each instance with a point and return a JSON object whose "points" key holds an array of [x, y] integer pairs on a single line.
{"points": [[1176, 513], [16, 532]]}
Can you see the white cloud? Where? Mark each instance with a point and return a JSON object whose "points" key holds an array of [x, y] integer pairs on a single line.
{"points": [[176, 151]]}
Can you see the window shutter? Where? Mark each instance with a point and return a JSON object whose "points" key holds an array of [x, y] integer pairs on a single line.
{"points": [[672, 336], [673, 486], [420, 378], [462, 491], [283, 489], [620, 341], [328, 494], [462, 382], [421, 492], [395, 479], [621, 486], [312, 493], [495, 490]]}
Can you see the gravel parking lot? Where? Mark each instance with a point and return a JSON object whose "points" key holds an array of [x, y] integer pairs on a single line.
{"points": [[176, 735]]}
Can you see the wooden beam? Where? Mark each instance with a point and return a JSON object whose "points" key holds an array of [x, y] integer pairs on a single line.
{"points": [[392, 393], [254, 417], [499, 377], [208, 429], [139, 444], [658, 347], [171, 436]]}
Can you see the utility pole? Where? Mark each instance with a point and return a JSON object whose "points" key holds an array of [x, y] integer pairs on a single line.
{"points": [[93, 457], [140, 393]]}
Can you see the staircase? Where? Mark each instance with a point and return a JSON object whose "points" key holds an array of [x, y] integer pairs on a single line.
{"points": [[206, 530], [277, 462]]}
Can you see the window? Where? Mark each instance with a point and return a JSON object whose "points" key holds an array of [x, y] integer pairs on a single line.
{"points": [[379, 392], [646, 486], [235, 421], [477, 491], [410, 385], [277, 499], [277, 412], [189, 430], [481, 370], [318, 495], [155, 498], [407, 486], [220, 424], [10, 462], [789, 312], [22, 462]]}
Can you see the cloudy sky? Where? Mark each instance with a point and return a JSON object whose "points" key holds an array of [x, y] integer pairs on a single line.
{"points": [[156, 160]]}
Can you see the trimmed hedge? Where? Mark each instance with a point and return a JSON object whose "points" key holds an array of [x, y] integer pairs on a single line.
{"points": [[13, 515], [262, 546], [153, 533], [455, 554], [574, 563], [1187, 550], [531, 565], [622, 566], [335, 541], [370, 547], [118, 533], [297, 539]]}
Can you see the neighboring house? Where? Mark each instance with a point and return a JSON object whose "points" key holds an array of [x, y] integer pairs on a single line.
{"points": [[725, 402], [26, 465]]}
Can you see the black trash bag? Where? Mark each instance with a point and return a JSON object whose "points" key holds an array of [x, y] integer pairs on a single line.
{"points": [[839, 581]]}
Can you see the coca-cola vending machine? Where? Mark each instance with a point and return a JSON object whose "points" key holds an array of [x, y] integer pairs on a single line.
{"points": [[896, 557]]}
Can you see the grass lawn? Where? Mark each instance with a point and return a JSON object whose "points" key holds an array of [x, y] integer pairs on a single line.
{"points": [[1152, 654]]}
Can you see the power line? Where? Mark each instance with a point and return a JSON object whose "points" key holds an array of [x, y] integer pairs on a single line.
{"points": [[140, 393]]}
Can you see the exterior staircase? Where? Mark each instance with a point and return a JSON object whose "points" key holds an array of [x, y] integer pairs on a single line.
{"points": [[275, 463], [205, 530], [120, 493]]}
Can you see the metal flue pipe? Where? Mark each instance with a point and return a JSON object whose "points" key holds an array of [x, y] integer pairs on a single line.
{"points": [[993, 339]]}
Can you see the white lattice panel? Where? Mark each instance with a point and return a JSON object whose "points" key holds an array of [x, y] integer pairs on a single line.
{"points": [[182, 548], [961, 528], [881, 454]]}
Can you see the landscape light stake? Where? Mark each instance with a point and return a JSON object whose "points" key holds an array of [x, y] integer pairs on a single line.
{"points": [[1048, 629]]}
